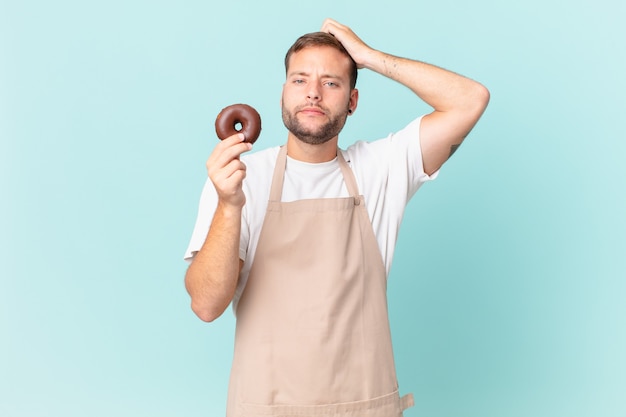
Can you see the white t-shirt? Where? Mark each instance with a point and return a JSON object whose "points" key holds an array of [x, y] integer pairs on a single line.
{"points": [[388, 172]]}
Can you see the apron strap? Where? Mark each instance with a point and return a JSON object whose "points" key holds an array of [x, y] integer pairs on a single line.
{"points": [[407, 401], [276, 190], [348, 177], [278, 178]]}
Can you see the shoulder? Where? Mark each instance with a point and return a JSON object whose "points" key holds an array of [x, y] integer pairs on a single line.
{"points": [[261, 158], [405, 140], [396, 158], [259, 169], [401, 139]]}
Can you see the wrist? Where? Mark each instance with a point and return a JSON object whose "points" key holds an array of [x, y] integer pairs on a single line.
{"points": [[375, 60], [229, 209]]}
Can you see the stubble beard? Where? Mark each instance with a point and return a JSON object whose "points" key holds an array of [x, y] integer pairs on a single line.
{"points": [[314, 137]]}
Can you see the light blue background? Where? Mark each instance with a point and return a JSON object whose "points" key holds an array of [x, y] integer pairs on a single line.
{"points": [[508, 289]]}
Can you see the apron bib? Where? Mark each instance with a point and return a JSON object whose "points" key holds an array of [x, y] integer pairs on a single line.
{"points": [[312, 335]]}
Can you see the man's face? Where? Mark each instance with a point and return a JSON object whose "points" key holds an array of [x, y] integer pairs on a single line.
{"points": [[316, 95]]}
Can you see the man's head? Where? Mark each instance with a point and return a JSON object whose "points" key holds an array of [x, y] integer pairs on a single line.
{"points": [[319, 92], [321, 39]]}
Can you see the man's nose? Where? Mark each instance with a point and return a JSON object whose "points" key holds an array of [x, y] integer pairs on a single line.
{"points": [[314, 92]]}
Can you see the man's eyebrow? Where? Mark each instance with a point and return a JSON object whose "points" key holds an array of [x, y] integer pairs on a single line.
{"points": [[306, 74]]}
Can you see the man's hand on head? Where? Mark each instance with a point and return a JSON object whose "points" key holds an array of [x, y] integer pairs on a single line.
{"points": [[358, 50]]}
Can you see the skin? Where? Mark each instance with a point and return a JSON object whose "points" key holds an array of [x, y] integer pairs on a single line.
{"points": [[315, 101], [316, 95]]}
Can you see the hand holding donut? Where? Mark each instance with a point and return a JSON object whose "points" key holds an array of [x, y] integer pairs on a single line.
{"points": [[226, 170], [224, 166]]}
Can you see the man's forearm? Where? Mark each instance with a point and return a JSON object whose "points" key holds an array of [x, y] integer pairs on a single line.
{"points": [[211, 278], [441, 89]]}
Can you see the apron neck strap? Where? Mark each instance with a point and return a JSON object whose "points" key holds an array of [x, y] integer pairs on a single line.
{"points": [[276, 190], [348, 175]]}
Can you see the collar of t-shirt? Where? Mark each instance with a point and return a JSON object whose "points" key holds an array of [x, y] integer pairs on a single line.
{"points": [[304, 180]]}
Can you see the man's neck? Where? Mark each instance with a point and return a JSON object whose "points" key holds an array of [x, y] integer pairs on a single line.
{"points": [[305, 152]]}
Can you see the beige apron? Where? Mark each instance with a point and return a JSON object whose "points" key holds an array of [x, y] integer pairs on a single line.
{"points": [[312, 336]]}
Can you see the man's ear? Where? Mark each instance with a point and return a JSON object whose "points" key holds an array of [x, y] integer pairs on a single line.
{"points": [[354, 99]]}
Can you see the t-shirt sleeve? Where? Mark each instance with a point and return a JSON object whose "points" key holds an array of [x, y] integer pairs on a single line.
{"points": [[206, 208], [399, 160], [407, 142]]}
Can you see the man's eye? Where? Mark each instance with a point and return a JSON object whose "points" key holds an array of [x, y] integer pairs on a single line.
{"points": [[331, 84], [298, 81]]}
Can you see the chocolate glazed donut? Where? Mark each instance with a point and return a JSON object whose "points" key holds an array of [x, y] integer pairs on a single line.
{"points": [[228, 119]]}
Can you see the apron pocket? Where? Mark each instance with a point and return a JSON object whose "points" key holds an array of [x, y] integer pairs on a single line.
{"points": [[390, 405]]}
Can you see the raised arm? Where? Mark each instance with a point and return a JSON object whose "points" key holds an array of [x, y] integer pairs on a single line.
{"points": [[458, 102], [211, 279]]}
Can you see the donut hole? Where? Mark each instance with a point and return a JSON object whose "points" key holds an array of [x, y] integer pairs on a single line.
{"points": [[238, 126]]}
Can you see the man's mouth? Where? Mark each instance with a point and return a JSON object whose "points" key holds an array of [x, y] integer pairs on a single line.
{"points": [[312, 111]]}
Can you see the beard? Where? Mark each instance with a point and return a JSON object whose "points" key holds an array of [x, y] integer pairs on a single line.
{"points": [[318, 136]]}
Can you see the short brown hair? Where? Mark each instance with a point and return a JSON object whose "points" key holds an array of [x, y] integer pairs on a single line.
{"points": [[321, 39]]}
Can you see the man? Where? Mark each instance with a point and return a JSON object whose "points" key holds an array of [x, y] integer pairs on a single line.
{"points": [[303, 245]]}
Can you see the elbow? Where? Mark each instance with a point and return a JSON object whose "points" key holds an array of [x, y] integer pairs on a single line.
{"points": [[476, 103], [205, 313], [209, 297], [202, 306], [483, 96], [473, 104]]}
